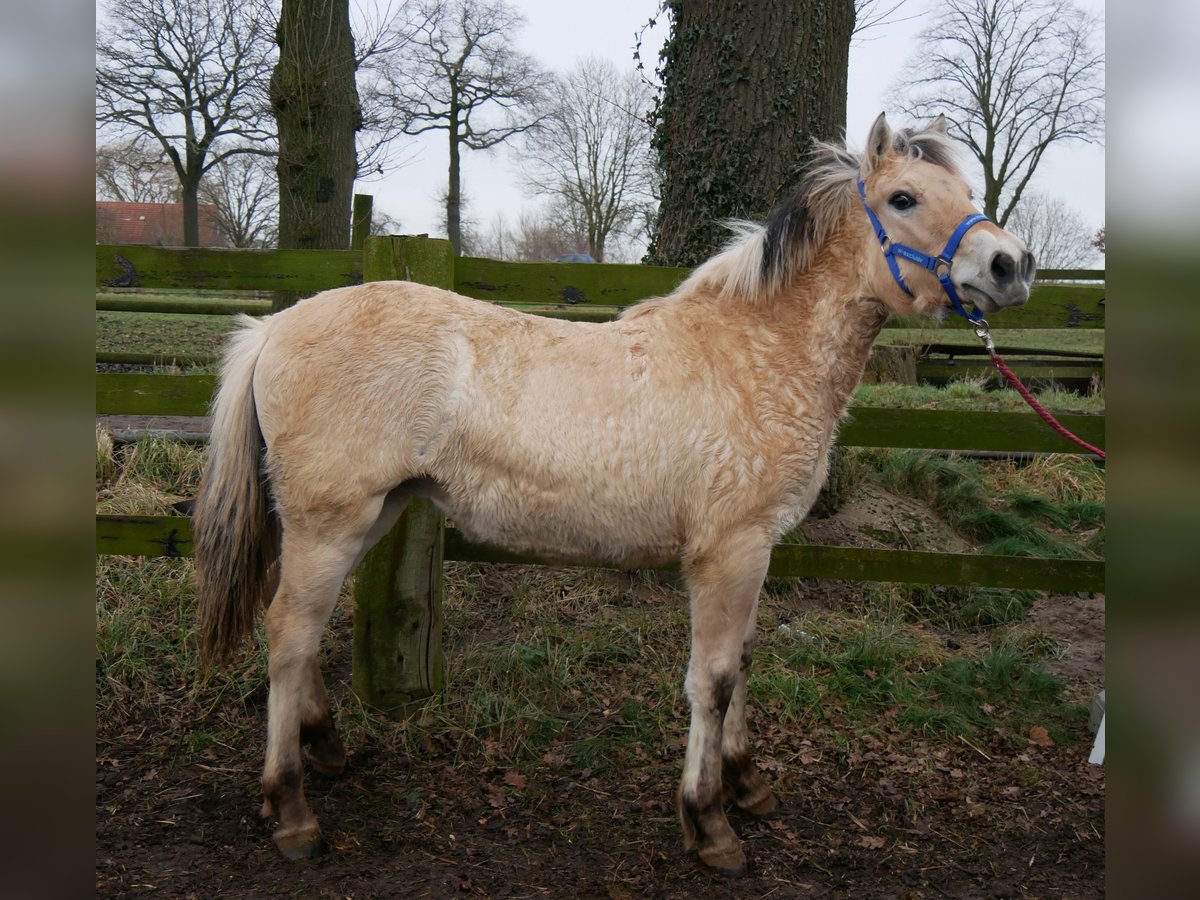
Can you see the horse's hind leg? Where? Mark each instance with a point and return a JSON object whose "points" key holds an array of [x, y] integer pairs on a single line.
{"points": [[314, 561], [724, 586], [321, 746]]}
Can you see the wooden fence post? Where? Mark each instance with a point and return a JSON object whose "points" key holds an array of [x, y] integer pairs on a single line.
{"points": [[398, 587], [360, 220]]}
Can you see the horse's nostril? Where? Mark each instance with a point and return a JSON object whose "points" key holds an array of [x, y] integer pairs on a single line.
{"points": [[1028, 267], [1004, 267]]}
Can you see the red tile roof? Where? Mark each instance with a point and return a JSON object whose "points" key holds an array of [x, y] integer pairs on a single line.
{"points": [[155, 224]]}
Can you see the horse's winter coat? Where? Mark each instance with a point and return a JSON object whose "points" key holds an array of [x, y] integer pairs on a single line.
{"points": [[694, 428]]}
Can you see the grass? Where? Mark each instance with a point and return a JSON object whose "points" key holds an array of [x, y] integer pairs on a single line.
{"points": [[1042, 339], [973, 394], [1003, 514], [161, 333]]}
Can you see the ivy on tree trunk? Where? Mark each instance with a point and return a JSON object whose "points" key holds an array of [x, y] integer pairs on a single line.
{"points": [[316, 106], [747, 88]]}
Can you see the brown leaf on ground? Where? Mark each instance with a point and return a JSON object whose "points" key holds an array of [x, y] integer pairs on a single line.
{"points": [[1038, 735]]}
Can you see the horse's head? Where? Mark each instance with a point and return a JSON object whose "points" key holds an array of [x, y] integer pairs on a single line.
{"points": [[930, 243]]}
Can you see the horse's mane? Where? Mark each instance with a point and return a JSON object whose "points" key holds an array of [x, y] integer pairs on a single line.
{"points": [[759, 259]]}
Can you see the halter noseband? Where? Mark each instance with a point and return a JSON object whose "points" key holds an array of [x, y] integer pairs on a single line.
{"points": [[939, 265]]}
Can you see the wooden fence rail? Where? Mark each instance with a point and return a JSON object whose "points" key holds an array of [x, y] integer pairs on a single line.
{"points": [[398, 587]]}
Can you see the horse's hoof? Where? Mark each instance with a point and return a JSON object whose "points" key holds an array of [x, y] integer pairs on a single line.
{"points": [[727, 861], [326, 761], [762, 808], [299, 843]]}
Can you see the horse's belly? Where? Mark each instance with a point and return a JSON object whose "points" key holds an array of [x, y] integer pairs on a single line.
{"points": [[570, 527]]}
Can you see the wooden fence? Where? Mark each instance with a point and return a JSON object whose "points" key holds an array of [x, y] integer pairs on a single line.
{"points": [[398, 588]]}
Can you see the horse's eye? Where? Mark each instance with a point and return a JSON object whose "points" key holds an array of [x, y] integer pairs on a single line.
{"points": [[902, 200]]}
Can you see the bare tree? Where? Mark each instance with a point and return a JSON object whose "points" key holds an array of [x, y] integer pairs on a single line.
{"points": [[383, 223], [133, 171], [245, 192], [870, 14], [460, 74], [1015, 77], [1098, 240], [1054, 232], [191, 77], [381, 31], [592, 151], [541, 234]]}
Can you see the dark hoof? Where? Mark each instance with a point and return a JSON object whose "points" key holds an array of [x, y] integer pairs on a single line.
{"points": [[325, 760], [763, 808], [729, 862], [299, 843]]}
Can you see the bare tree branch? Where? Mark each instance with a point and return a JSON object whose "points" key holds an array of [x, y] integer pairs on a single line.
{"points": [[592, 151], [135, 171], [1015, 77], [187, 76], [459, 73], [244, 189], [1055, 232]]}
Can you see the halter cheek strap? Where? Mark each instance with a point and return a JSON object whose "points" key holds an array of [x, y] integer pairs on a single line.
{"points": [[939, 265]]}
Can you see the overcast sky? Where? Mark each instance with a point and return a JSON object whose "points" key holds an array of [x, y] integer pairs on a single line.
{"points": [[558, 33]]}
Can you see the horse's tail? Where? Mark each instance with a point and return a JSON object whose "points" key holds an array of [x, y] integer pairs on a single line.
{"points": [[236, 532]]}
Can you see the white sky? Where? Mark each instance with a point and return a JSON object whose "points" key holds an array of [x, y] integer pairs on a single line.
{"points": [[558, 32]]}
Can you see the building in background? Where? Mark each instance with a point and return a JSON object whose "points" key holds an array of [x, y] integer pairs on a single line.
{"points": [[153, 224]]}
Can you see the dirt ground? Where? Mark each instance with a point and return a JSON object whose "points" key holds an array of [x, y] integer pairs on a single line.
{"points": [[881, 817], [888, 816]]}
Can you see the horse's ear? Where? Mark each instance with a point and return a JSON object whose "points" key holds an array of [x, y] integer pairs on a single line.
{"points": [[940, 125], [879, 144]]}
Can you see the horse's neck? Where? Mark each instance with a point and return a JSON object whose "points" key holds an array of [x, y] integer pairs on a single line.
{"points": [[829, 325]]}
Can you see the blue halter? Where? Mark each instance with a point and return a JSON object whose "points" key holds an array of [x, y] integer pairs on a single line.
{"points": [[939, 265]]}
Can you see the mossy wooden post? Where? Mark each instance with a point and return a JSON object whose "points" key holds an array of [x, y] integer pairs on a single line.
{"points": [[398, 588], [360, 223]]}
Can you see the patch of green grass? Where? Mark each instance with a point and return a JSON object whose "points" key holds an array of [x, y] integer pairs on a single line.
{"points": [[1090, 340], [973, 394], [866, 673], [961, 492], [949, 606], [161, 332]]}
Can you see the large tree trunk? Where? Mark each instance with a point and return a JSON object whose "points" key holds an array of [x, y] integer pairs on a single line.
{"points": [[189, 190], [747, 88], [317, 112]]}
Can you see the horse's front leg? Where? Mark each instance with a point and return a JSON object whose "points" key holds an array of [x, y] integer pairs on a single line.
{"points": [[724, 583], [744, 786]]}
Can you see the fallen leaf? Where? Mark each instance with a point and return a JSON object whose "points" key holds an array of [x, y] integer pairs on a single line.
{"points": [[515, 779], [1038, 735], [872, 842]]}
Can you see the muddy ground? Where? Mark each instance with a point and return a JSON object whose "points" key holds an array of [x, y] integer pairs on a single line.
{"points": [[883, 817], [887, 816]]}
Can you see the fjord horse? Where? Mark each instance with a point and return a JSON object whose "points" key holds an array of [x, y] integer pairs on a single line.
{"points": [[696, 427]]}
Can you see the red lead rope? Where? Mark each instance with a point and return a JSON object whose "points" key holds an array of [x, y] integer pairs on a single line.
{"points": [[1038, 408], [984, 334]]}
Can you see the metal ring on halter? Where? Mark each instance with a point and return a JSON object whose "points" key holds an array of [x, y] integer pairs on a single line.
{"points": [[984, 334]]}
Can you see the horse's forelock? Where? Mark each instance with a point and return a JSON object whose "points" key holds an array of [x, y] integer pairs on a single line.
{"points": [[932, 146]]}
